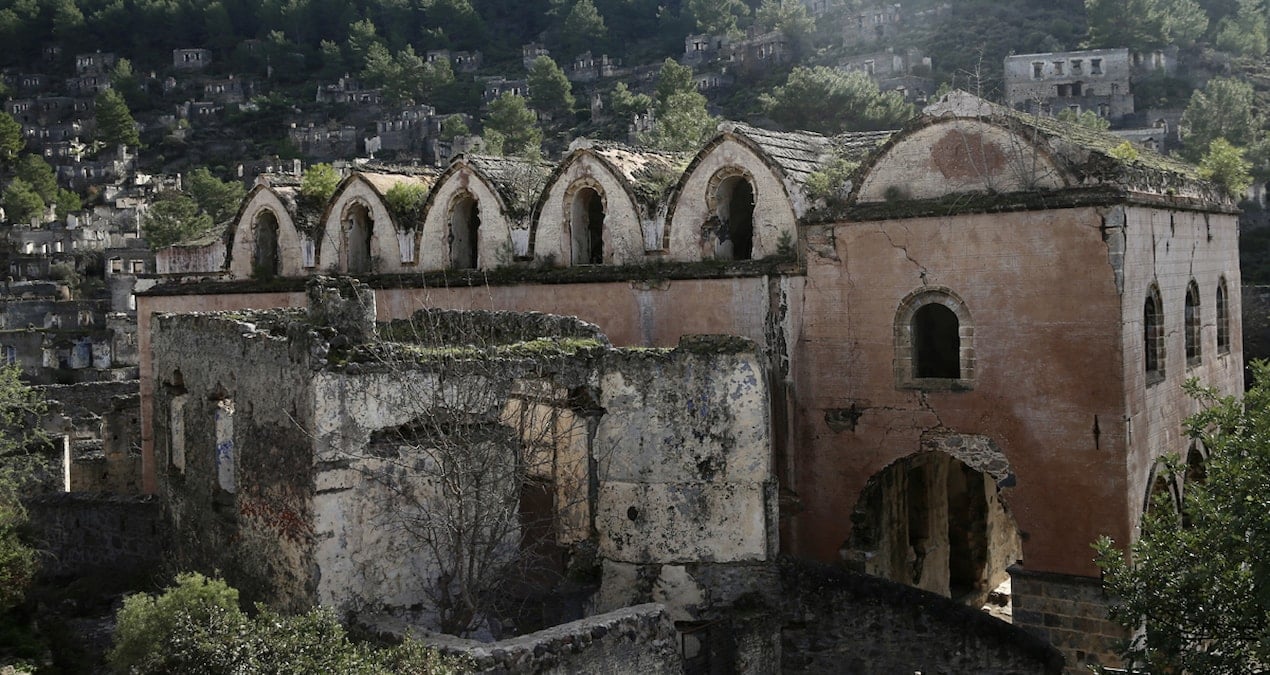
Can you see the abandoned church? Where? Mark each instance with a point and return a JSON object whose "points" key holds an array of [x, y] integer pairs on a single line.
{"points": [[947, 357]]}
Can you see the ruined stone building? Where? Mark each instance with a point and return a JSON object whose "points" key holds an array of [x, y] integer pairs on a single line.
{"points": [[1095, 79], [960, 364]]}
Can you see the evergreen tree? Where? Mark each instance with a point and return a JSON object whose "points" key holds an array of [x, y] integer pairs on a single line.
{"points": [[1144, 24], [11, 140], [830, 101], [583, 29], [549, 90], [510, 127], [682, 121], [39, 175], [21, 202], [217, 198], [1222, 109], [1225, 165], [791, 19], [115, 125], [172, 219], [717, 17], [453, 127], [1244, 33]]}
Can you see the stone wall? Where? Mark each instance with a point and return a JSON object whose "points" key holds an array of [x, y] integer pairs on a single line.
{"points": [[85, 533], [1069, 613], [482, 327], [637, 640], [840, 622]]}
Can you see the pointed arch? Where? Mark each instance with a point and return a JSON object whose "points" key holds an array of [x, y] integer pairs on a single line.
{"points": [[463, 176], [553, 231], [282, 252], [363, 235], [936, 156], [694, 222]]}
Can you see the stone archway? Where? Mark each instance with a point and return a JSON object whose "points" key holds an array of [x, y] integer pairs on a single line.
{"points": [[935, 520]]}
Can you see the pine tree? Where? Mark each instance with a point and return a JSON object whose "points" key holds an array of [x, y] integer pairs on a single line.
{"points": [[115, 125]]}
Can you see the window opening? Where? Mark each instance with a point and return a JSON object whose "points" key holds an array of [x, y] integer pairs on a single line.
{"points": [[359, 233], [1223, 318], [1153, 336], [465, 237], [736, 213], [588, 227], [1193, 345], [936, 342], [264, 263]]}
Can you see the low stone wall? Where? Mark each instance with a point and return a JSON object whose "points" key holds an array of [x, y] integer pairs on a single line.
{"points": [[89, 533], [483, 327], [639, 640], [842, 622]]}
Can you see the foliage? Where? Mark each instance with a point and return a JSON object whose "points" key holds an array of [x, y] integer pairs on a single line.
{"points": [[681, 119], [19, 407], [1144, 24], [21, 202], [830, 101], [11, 140], [405, 78], [405, 201], [1222, 109], [115, 125], [791, 19], [717, 17], [549, 90], [1125, 152], [39, 175], [196, 626], [1244, 33], [453, 127], [318, 183], [217, 198], [1200, 581], [583, 29], [1225, 165], [1085, 118], [828, 181], [510, 127], [625, 105], [174, 218]]}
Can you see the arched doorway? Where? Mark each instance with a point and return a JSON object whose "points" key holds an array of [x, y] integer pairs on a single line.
{"points": [[932, 521], [358, 228], [735, 199], [465, 235], [587, 227], [265, 257]]}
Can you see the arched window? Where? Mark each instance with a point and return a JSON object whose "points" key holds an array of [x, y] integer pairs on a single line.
{"points": [[933, 342], [1223, 318], [465, 233], [1192, 329], [586, 219], [936, 343], [735, 200], [264, 258], [358, 231], [1153, 336]]}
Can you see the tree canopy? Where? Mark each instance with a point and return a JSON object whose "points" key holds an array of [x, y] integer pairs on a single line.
{"points": [[830, 101], [681, 119], [549, 90], [510, 127], [1144, 24], [217, 198], [172, 219], [1200, 580], [19, 406], [1223, 109], [115, 125]]}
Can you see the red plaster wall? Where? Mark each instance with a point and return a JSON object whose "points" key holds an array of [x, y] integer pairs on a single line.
{"points": [[1047, 338]]}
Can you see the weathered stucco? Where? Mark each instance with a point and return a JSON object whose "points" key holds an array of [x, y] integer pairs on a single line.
{"points": [[264, 201]]}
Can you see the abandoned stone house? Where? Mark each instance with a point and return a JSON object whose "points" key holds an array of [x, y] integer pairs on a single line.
{"points": [[968, 353], [1094, 79]]}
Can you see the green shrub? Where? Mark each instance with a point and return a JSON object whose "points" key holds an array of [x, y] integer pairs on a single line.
{"points": [[197, 627]]}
